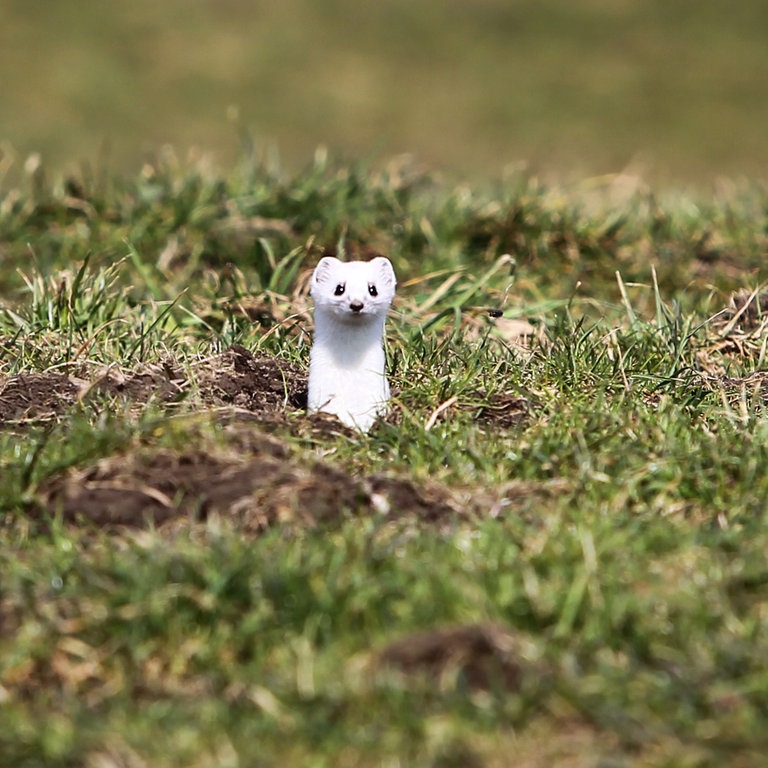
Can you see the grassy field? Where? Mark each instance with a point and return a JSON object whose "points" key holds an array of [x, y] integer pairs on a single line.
{"points": [[678, 92], [551, 553]]}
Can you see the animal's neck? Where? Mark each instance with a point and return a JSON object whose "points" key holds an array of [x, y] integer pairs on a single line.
{"points": [[351, 344]]}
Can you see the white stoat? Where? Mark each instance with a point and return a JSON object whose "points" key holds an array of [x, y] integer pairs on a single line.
{"points": [[346, 364]]}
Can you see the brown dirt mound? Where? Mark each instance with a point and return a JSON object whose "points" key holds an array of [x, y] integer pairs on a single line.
{"points": [[35, 397], [260, 388], [261, 385], [256, 491], [258, 384], [164, 383], [484, 656]]}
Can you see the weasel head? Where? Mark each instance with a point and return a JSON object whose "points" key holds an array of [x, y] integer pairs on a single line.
{"points": [[353, 291]]}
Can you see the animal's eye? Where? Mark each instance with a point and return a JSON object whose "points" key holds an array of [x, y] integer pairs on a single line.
{"points": [[372, 289], [340, 289]]}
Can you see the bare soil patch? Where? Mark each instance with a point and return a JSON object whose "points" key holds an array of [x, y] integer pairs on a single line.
{"points": [[35, 397], [253, 491], [484, 656], [261, 385], [164, 383]]}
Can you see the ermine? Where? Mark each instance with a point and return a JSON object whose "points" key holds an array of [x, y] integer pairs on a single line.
{"points": [[346, 363]]}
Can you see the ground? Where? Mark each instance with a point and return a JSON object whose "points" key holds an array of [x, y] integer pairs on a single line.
{"points": [[551, 548], [257, 482]]}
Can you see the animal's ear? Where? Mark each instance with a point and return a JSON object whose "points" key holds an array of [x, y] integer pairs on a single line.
{"points": [[384, 270], [324, 268]]}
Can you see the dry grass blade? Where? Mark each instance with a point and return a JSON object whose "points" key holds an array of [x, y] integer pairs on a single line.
{"points": [[442, 408]]}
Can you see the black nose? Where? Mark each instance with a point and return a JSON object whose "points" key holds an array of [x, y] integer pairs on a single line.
{"points": [[355, 306]]}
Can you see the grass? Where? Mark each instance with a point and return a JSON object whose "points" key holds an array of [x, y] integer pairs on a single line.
{"points": [[596, 488], [579, 90]]}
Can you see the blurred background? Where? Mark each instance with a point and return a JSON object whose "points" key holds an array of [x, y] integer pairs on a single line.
{"points": [[676, 92]]}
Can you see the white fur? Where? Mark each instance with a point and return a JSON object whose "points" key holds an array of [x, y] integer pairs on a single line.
{"points": [[346, 364]]}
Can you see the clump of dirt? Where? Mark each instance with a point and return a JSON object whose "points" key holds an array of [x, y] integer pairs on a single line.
{"points": [[165, 383], [36, 396], [257, 384], [400, 497], [254, 490], [484, 656], [136, 491], [261, 385]]}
